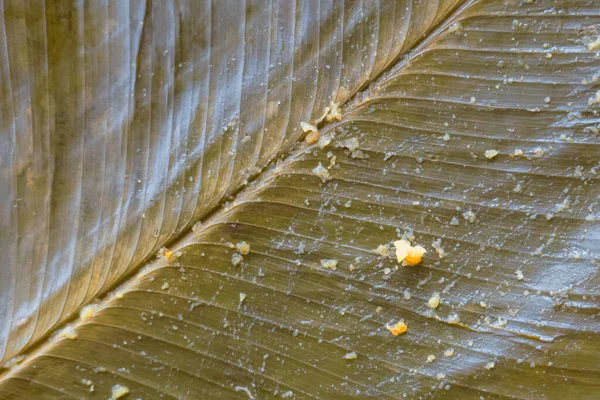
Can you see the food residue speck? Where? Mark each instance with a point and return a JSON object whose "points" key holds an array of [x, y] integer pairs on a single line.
{"points": [[408, 254], [397, 328], [119, 391]]}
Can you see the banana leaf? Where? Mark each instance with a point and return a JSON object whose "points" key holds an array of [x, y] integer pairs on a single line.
{"points": [[202, 199]]}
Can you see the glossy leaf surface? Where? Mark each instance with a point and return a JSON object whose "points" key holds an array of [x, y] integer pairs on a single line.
{"points": [[123, 122], [512, 239]]}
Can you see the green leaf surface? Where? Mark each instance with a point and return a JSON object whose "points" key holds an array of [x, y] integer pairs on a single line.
{"points": [[513, 241], [123, 122]]}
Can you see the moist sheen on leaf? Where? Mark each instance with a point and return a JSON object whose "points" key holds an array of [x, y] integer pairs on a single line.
{"points": [[469, 129]]}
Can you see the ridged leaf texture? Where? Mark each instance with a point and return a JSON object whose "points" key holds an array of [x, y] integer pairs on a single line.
{"points": [[468, 127]]}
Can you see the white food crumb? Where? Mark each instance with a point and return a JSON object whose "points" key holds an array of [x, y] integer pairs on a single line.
{"points": [[351, 144], [119, 391], [329, 264], [165, 286], [287, 394], [595, 45], [434, 301], [68, 332], [243, 248], [334, 112], [382, 250], [453, 318], [489, 154], [321, 172], [446, 137], [430, 358], [324, 140], [470, 216], [489, 365], [538, 152], [590, 217], [440, 376], [332, 161], [518, 153], [518, 188], [242, 297], [351, 356], [236, 259], [306, 127], [88, 312], [456, 28], [449, 353], [566, 203], [595, 99], [519, 275], [437, 245]]}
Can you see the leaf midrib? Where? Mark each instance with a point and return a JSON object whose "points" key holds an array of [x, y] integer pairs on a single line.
{"points": [[216, 214]]}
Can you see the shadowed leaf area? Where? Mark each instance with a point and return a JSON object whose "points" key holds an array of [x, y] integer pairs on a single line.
{"points": [[469, 128]]}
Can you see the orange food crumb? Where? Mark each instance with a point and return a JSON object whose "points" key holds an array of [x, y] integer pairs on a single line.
{"points": [[166, 253], [312, 137], [398, 328], [408, 254]]}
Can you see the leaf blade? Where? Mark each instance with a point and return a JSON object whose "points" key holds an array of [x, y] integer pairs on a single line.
{"points": [[309, 317], [125, 123]]}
